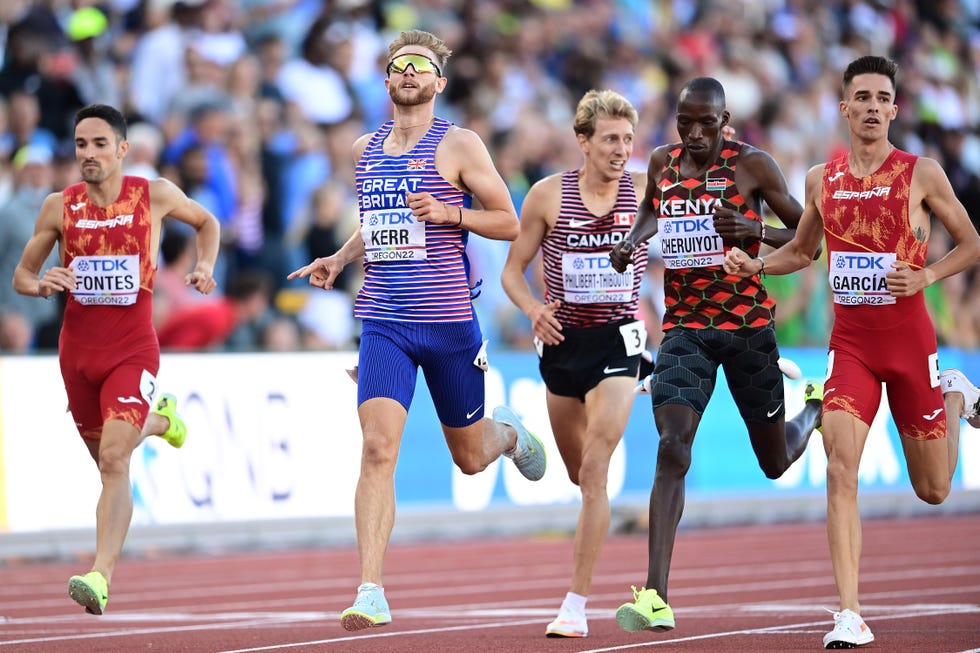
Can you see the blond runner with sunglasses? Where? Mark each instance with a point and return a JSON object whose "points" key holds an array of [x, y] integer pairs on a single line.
{"points": [[417, 177]]}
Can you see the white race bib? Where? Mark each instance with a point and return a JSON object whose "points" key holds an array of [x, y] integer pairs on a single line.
{"points": [[859, 277], [634, 337], [107, 280], [393, 235], [589, 278], [690, 242]]}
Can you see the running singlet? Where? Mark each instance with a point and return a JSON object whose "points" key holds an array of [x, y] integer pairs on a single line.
{"points": [[577, 269], [697, 292], [414, 271], [109, 251], [866, 221]]}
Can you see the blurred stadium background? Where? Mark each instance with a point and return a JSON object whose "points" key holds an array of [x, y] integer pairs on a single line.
{"points": [[251, 106]]}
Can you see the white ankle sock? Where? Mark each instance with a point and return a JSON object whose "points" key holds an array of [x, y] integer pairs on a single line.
{"points": [[574, 603]]}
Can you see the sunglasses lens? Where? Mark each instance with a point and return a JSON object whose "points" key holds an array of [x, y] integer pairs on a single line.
{"points": [[418, 62]]}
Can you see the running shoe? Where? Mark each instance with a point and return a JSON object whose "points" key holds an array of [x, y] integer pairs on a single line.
{"points": [[177, 431], [370, 609], [813, 391], [90, 591], [643, 385], [647, 612], [568, 624], [789, 368], [952, 380], [529, 454], [849, 631]]}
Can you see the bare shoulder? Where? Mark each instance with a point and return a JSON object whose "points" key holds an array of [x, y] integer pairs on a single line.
{"points": [[545, 189], [928, 170], [460, 137], [161, 187], [752, 156], [52, 210]]}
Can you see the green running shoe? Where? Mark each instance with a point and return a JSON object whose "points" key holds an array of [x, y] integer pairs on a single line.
{"points": [[813, 391], [177, 431], [90, 591], [647, 612], [370, 609]]}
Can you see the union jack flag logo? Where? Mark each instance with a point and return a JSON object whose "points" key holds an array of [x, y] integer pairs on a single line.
{"points": [[416, 164]]}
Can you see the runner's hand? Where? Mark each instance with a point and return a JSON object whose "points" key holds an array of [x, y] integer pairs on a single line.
{"points": [[622, 254], [322, 272]]}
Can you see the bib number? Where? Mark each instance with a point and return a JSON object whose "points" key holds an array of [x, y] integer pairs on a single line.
{"points": [[634, 337]]}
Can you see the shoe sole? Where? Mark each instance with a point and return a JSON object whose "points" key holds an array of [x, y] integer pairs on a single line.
{"points": [[554, 634], [837, 645], [633, 621], [83, 595], [352, 621]]}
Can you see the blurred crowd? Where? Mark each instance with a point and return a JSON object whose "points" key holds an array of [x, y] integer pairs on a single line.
{"points": [[251, 106]]}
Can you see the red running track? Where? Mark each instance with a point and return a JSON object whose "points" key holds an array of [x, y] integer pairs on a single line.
{"points": [[757, 588]]}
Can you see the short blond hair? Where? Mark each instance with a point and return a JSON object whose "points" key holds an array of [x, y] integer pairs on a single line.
{"points": [[601, 104], [425, 39]]}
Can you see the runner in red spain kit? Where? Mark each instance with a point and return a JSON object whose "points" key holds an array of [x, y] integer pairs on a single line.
{"points": [[874, 205], [705, 195], [107, 229], [586, 329]]}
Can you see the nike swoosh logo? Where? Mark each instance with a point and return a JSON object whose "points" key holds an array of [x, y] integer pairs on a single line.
{"points": [[610, 370], [75, 207], [469, 415], [664, 189], [934, 415], [368, 167], [575, 224], [775, 410], [129, 400]]}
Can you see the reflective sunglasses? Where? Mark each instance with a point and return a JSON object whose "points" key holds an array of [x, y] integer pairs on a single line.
{"points": [[421, 64]]}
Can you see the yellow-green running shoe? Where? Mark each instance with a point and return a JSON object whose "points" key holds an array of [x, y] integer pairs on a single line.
{"points": [[647, 612], [90, 591], [177, 431], [813, 391]]}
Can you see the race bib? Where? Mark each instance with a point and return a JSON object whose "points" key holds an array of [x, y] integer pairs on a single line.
{"points": [[859, 278], [690, 242], [107, 280], [393, 235], [589, 278], [634, 337]]}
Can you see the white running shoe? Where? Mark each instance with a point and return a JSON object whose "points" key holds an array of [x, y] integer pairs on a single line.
{"points": [[643, 385], [790, 369], [952, 380], [849, 631], [568, 624]]}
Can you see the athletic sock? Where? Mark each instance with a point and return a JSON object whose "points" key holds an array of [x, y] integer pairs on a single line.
{"points": [[574, 603]]}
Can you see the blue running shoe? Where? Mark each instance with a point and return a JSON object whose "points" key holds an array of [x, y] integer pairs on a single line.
{"points": [[370, 609]]}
